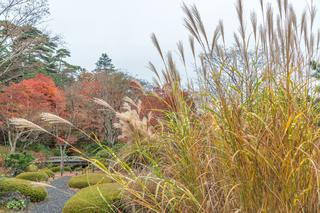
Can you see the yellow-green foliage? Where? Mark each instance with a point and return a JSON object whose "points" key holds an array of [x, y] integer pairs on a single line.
{"points": [[89, 179], [57, 169], [33, 176], [245, 140], [48, 171], [32, 168], [25, 187], [94, 199], [250, 141]]}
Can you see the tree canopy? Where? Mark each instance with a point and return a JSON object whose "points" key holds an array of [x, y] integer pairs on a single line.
{"points": [[104, 63]]}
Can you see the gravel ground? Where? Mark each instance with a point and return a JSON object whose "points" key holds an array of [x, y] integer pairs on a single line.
{"points": [[57, 197]]}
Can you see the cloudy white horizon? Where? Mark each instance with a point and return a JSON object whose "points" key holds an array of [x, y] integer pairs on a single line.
{"points": [[122, 28]]}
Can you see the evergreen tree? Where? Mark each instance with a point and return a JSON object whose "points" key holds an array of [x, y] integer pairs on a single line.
{"points": [[104, 63], [41, 54]]}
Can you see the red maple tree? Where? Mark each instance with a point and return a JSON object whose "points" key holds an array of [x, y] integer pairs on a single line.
{"points": [[87, 115], [27, 99]]}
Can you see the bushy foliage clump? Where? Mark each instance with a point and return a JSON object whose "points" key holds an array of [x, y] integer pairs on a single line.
{"points": [[48, 171], [25, 187], [58, 168], [18, 162], [89, 179], [33, 176], [31, 168], [94, 199]]}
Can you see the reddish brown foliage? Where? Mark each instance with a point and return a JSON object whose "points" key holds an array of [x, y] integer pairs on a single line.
{"points": [[161, 101], [29, 97], [87, 115], [70, 140]]}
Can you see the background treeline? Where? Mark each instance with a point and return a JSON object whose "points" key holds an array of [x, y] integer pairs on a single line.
{"points": [[35, 77]]}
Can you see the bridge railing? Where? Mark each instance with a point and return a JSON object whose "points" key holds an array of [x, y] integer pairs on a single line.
{"points": [[68, 160]]}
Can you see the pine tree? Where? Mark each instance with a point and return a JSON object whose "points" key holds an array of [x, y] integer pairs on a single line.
{"points": [[104, 63]]}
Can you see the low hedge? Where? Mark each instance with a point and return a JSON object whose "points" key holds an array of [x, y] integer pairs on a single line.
{"points": [[94, 199], [25, 187], [32, 168], [49, 172], [33, 176], [89, 179], [57, 169]]}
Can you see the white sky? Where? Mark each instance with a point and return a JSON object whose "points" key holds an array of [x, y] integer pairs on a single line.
{"points": [[122, 28]]}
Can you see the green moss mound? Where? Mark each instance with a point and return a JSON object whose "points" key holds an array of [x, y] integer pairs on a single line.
{"points": [[32, 168], [25, 187], [57, 169], [95, 199], [49, 172], [89, 179], [33, 176]]}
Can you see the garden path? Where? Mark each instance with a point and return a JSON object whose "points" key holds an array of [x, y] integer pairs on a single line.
{"points": [[58, 195]]}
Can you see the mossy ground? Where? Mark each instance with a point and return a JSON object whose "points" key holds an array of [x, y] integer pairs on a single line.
{"points": [[89, 179], [94, 199]]}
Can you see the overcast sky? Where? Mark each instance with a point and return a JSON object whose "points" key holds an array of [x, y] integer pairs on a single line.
{"points": [[122, 28]]}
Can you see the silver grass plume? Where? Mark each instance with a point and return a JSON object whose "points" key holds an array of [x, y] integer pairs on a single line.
{"points": [[21, 123], [54, 119], [103, 103]]}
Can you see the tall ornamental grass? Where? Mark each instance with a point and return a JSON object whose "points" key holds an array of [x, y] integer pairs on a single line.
{"points": [[249, 142]]}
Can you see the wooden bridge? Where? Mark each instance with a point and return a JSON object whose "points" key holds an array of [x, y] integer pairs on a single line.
{"points": [[68, 160]]}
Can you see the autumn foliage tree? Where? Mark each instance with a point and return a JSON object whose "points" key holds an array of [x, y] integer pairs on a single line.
{"points": [[160, 100], [139, 116], [27, 99], [110, 86]]}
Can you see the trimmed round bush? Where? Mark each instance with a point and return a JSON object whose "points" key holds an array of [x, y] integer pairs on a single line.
{"points": [[32, 168], [94, 199], [89, 179], [77, 169], [33, 176], [67, 169], [57, 169], [49, 172], [25, 187]]}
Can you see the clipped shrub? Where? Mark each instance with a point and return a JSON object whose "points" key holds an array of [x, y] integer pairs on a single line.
{"points": [[95, 199], [48, 171], [89, 179], [25, 187], [77, 169], [31, 168], [33, 176], [50, 165], [67, 169], [57, 169]]}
